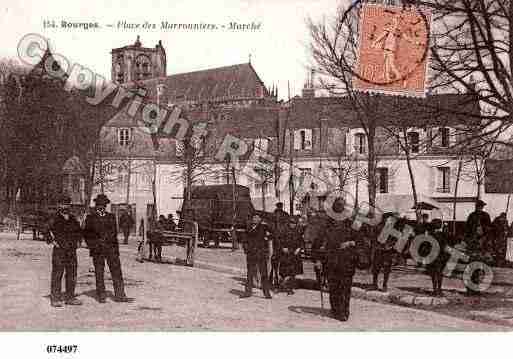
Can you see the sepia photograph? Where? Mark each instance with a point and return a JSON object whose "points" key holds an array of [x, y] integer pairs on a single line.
{"points": [[296, 166]]}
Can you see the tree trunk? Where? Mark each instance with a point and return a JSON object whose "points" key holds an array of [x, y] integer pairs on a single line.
{"points": [[263, 197], [102, 176], [90, 183], [277, 175], [413, 187], [129, 175], [456, 185], [406, 149], [371, 169], [291, 177]]}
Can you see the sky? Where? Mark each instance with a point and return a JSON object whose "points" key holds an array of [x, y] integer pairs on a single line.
{"points": [[278, 50]]}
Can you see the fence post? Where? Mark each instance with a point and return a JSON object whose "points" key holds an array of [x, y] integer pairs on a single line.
{"points": [[194, 243]]}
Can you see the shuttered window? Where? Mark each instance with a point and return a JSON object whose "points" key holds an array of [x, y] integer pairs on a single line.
{"points": [[443, 180], [382, 179], [303, 139], [445, 138], [360, 143]]}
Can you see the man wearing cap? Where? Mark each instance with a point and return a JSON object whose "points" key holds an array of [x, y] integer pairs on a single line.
{"points": [[382, 253], [258, 248], [289, 255], [126, 223], [65, 234], [102, 239], [477, 228]]}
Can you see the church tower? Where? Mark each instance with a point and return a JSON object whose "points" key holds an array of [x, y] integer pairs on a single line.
{"points": [[135, 62]]}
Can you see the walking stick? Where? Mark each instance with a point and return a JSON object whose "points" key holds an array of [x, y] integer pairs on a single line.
{"points": [[319, 274]]}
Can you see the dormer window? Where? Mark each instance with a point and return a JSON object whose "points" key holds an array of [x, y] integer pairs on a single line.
{"points": [[124, 136], [413, 141], [444, 133]]}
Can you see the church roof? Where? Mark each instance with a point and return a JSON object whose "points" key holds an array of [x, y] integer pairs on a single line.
{"points": [[217, 84]]}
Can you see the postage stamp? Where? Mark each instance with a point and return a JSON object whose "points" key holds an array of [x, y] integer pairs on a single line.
{"points": [[393, 50]]}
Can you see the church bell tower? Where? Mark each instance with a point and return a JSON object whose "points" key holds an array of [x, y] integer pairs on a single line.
{"points": [[136, 63]]}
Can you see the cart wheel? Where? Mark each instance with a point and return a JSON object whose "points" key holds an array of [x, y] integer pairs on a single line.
{"points": [[206, 239]]}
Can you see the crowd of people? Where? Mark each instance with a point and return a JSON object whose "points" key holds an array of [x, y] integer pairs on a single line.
{"points": [[336, 250], [274, 249]]}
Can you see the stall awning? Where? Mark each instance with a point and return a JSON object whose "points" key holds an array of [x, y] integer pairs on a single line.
{"points": [[403, 204]]}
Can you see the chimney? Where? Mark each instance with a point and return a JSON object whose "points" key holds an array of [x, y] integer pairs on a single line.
{"points": [[308, 89]]}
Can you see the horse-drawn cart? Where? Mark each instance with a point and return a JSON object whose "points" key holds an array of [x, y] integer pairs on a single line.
{"points": [[186, 236]]}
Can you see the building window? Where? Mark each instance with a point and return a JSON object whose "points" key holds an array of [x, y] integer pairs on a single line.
{"points": [[303, 174], [303, 140], [382, 180], [262, 187], [262, 144], [124, 136], [360, 143], [444, 180], [444, 136], [302, 134], [413, 141]]}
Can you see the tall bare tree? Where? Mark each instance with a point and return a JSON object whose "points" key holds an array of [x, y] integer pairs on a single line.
{"points": [[334, 50], [471, 53]]}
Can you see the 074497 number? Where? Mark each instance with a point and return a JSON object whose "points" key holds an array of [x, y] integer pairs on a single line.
{"points": [[61, 349]]}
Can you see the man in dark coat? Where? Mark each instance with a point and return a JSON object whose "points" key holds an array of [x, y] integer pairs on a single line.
{"points": [[156, 238], [477, 229], [126, 223], [289, 255], [341, 266], [436, 267], [258, 248], [382, 255], [500, 243], [65, 234], [170, 223], [100, 234]]}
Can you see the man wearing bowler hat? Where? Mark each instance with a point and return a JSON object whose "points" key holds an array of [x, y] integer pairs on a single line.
{"points": [[65, 234], [101, 236]]}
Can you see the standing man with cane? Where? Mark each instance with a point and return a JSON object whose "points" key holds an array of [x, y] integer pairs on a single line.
{"points": [[102, 239], [258, 248], [340, 263]]}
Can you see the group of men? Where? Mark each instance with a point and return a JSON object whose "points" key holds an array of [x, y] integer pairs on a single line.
{"points": [[282, 241], [484, 236], [277, 243], [100, 233], [335, 254]]}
